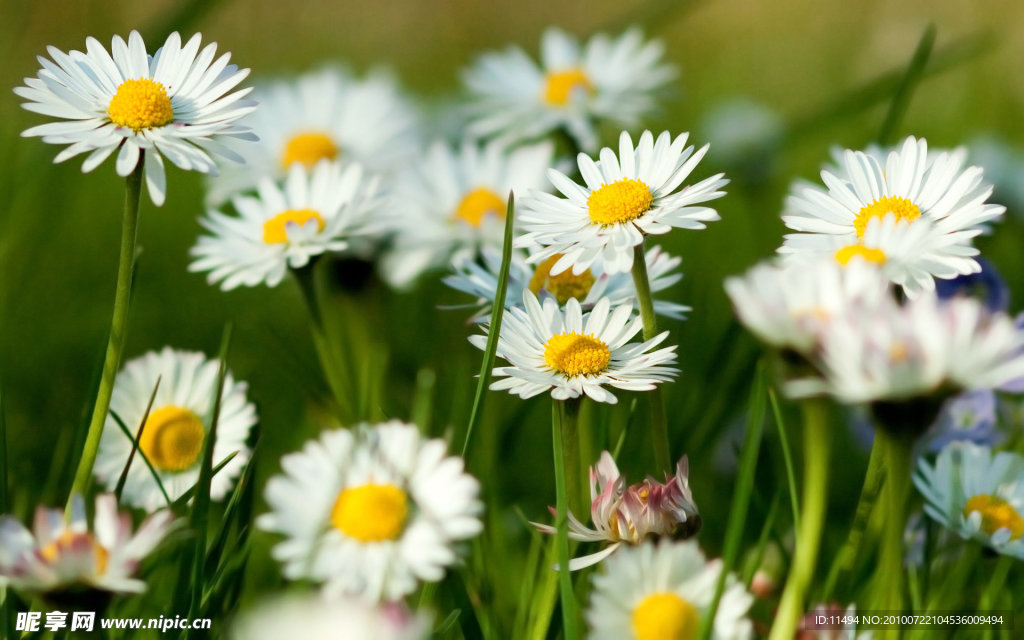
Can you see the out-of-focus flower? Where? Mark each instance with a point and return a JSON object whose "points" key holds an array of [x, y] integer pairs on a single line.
{"points": [[176, 428], [372, 511], [610, 80], [968, 416], [654, 591], [976, 493], [327, 114], [570, 354], [623, 199], [60, 554], [634, 513], [1004, 166], [317, 618], [174, 104], [987, 285], [744, 130]]}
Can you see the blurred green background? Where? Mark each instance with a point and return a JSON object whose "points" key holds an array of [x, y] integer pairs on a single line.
{"points": [[816, 65]]}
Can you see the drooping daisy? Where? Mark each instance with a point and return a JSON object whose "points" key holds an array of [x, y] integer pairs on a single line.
{"points": [[911, 185], [327, 114], [318, 618], [479, 278], [61, 554], [571, 354], [659, 591], [314, 212], [174, 104], [623, 200], [176, 428], [453, 203], [634, 513], [977, 494], [371, 511], [610, 80]]}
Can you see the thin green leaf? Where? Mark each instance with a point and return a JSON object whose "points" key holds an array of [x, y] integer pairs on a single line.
{"points": [[135, 442], [787, 457], [905, 89], [182, 502], [762, 541], [156, 476]]}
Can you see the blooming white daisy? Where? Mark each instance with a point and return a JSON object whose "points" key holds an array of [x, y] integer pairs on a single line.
{"points": [[570, 354], [911, 185], [658, 591], [314, 212], [454, 203], [175, 103], [327, 114], [612, 80], [922, 348], [977, 494], [177, 425], [623, 200], [317, 618], [63, 553], [479, 278], [371, 511]]}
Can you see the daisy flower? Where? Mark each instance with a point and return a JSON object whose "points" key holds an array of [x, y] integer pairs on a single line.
{"points": [[634, 513], [453, 203], [570, 354], [623, 200], [284, 226], [656, 591], [61, 554], [174, 104], [574, 87], [371, 511], [479, 278], [316, 618], [977, 494], [911, 185], [327, 114], [175, 429]]}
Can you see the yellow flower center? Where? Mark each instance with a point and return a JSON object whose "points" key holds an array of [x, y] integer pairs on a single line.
{"points": [[371, 513], [140, 104], [996, 514], [67, 542], [621, 201], [560, 85], [564, 285], [844, 255], [576, 354], [308, 148], [903, 209], [275, 230], [172, 438], [479, 203], [665, 616]]}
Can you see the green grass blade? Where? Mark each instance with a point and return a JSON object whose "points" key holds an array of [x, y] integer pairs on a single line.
{"points": [[787, 457], [762, 542], [905, 89], [135, 446], [5, 507], [497, 312], [135, 443]]}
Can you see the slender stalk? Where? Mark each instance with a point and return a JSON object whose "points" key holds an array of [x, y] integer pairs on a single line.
{"points": [[787, 458], [816, 453], [888, 587], [569, 616], [571, 454], [340, 387], [118, 329], [659, 425]]}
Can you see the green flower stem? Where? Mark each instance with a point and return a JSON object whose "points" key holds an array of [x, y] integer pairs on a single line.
{"points": [[659, 425], [571, 455], [887, 590], [118, 329], [812, 516], [569, 616]]}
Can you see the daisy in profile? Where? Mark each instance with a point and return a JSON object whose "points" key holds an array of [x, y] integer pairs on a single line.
{"points": [[371, 511], [570, 354], [633, 513], [479, 278], [318, 618], [910, 186], [976, 493], [327, 114], [177, 103], [176, 428], [660, 591], [453, 204], [63, 554], [573, 88], [622, 200], [283, 227]]}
